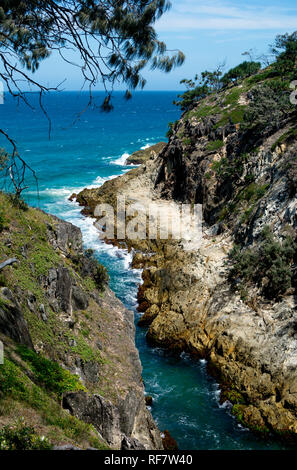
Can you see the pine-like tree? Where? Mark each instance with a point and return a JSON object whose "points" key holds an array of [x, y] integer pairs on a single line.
{"points": [[115, 40]]}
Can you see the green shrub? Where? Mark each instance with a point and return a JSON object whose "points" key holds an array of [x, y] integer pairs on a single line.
{"points": [[22, 437], [285, 49], [233, 395], [237, 411], [190, 97], [2, 222], [202, 111], [100, 276], [233, 97], [17, 386], [234, 115], [18, 202], [228, 168], [11, 382], [246, 215], [49, 373], [170, 132], [243, 70], [261, 76], [94, 274], [3, 282], [266, 109], [268, 266], [253, 192], [291, 173], [86, 332], [187, 141], [215, 145]]}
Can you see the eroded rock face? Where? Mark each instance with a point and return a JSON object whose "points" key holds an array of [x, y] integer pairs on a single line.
{"points": [[65, 236], [12, 322], [97, 411], [117, 425]]}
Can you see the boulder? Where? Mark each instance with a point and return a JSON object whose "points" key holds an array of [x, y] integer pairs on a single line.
{"points": [[131, 444], [94, 409]]}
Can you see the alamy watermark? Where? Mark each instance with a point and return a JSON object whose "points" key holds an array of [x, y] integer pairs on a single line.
{"points": [[293, 95], [161, 220], [1, 93], [1, 353]]}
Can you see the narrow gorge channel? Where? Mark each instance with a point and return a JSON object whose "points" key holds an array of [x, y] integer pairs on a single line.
{"points": [[185, 397]]}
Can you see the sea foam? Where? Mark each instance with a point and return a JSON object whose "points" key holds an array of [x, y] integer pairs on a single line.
{"points": [[121, 160]]}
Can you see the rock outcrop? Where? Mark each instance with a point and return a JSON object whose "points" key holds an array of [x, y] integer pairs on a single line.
{"points": [[142, 156], [12, 322]]}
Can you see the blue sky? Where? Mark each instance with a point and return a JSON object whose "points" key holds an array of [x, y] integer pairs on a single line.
{"points": [[208, 32]]}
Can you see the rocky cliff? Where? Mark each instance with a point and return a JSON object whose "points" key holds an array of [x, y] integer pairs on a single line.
{"points": [[141, 156], [233, 301], [71, 369]]}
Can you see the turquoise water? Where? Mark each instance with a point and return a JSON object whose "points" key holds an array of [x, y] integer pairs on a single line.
{"points": [[87, 152]]}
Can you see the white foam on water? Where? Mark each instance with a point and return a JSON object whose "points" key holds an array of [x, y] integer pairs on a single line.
{"points": [[64, 192], [91, 237], [138, 273], [56, 192], [217, 394], [121, 160], [127, 258], [86, 224], [99, 181], [227, 405], [131, 299], [91, 234], [184, 356]]}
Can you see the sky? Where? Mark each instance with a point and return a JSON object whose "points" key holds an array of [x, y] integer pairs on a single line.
{"points": [[209, 32]]}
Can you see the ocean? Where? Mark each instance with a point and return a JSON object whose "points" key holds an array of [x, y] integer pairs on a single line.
{"points": [[85, 150]]}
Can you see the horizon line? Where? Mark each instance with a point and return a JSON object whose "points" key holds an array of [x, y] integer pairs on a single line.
{"points": [[97, 91]]}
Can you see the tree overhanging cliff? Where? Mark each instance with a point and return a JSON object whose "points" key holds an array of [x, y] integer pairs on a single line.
{"points": [[112, 42]]}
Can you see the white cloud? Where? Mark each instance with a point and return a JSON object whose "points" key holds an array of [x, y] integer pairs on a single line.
{"points": [[219, 15]]}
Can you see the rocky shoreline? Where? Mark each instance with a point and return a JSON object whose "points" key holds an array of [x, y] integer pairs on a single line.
{"points": [[188, 303], [142, 156]]}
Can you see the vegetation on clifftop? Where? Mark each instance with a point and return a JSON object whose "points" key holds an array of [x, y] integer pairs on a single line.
{"points": [[281, 72], [269, 266]]}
